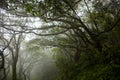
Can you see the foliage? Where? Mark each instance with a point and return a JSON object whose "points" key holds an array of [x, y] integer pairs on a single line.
{"points": [[95, 64], [87, 46]]}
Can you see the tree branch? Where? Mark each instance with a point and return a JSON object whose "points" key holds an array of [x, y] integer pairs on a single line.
{"points": [[110, 29]]}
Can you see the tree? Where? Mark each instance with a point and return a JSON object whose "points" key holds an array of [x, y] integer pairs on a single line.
{"points": [[9, 23], [64, 17], [93, 34]]}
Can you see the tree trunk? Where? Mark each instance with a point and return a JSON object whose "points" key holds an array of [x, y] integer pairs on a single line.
{"points": [[3, 65], [14, 73]]}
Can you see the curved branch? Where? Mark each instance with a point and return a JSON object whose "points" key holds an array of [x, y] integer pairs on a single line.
{"points": [[113, 26], [51, 34]]}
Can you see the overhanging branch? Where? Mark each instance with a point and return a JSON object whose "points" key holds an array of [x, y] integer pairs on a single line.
{"points": [[113, 26]]}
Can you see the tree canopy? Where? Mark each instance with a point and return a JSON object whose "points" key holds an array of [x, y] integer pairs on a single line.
{"points": [[82, 34]]}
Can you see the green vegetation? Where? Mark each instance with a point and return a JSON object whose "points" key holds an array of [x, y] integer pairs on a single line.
{"points": [[82, 35]]}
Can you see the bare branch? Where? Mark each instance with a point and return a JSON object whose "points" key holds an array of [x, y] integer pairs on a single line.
{"points": [[51, 34]]}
